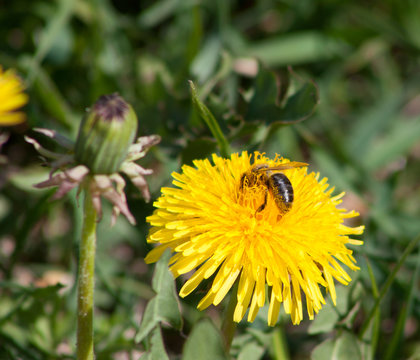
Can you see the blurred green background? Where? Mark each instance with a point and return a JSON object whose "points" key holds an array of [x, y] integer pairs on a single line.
{"points": [[333, 83]]}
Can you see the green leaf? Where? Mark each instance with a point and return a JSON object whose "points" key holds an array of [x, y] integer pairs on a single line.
{"points": [[411, 23], [301, 104], [330, 168], [373, 333], [343, 293], [157, 348], [296, 48], [14, 341], [164, 307], [370, 123], [51, 32], [264, 103], [390, 279], [260, 335], [398, 141], [211, 122], [158, 12], [204, 343], [25, 179], [41, 334], [325, 320], [266, 93], [344, 347], [394, 346], [323, 351], [251, 351], [53, 101], [204, 64], [347, 347]]}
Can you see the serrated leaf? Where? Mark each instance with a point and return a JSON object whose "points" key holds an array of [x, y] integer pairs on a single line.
{"points": [[301, 104], [157, 348], [343, 293], [344, 347], [260, 335], [264, 106], [347, 347], [266, 92], [323, 351], [164, 307], [325, 320], [204, 343]]}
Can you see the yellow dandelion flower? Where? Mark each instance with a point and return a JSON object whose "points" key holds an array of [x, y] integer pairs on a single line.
{"points": [[215, 224], [12, 98]]}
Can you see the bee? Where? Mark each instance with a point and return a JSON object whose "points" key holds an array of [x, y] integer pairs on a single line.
{"points": [[276, 183]]}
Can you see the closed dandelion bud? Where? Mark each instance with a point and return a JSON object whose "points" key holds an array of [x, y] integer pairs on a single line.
{"points": [[105, 135]]}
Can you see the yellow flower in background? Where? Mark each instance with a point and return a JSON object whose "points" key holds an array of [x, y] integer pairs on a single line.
{"points": [[215, 224], [12, 98]]}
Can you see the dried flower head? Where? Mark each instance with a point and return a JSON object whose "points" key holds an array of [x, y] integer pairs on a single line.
{"points": [[215, 224], [104, 148]]}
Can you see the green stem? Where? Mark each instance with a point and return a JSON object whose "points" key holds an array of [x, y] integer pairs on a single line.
{"points": [[86, 281], [228, 325], [280, 344], [388, 283]]}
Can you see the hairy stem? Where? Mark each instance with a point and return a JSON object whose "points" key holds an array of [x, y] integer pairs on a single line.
{"points": [[86, 282]]}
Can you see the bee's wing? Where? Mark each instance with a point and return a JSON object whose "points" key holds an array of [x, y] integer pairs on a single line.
{"points": [[289, 165]]}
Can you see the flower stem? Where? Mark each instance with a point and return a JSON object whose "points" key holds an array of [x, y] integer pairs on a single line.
{"points": [[228, 325], [86, 281]]}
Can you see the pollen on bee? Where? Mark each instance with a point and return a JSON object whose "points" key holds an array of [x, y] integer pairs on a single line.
{"points": [[251, 195]]}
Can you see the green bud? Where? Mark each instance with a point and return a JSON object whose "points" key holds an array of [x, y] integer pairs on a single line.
{"points": [[105, 135]]}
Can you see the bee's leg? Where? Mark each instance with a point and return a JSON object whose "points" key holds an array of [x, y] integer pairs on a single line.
{"points": [[262, 207], [242, 181]]}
